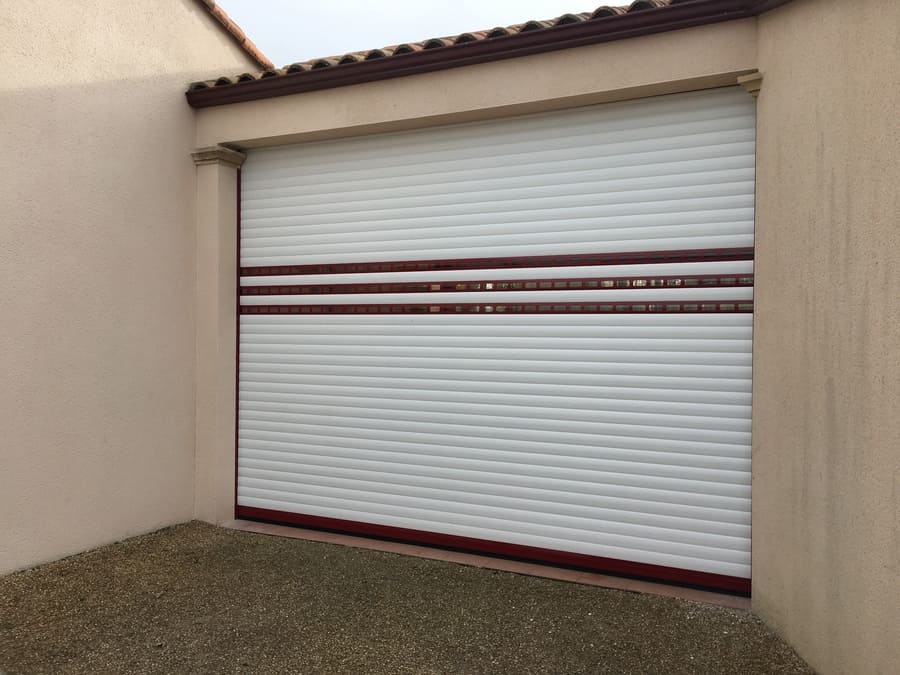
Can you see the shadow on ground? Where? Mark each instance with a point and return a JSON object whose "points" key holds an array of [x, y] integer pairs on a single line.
{"points": [[200, 599]]}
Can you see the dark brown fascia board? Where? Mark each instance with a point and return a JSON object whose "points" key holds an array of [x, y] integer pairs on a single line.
{"points": [[685, 14]]}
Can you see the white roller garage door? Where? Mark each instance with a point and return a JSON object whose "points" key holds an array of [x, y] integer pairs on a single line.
{"points": [[528, 336]]}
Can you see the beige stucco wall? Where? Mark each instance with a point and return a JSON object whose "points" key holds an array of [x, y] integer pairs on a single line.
{"points": [[826, 428], [97, 268]]}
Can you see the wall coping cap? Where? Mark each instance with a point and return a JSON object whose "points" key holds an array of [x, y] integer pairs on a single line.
{"points": [[218, 154], [751, 82]]}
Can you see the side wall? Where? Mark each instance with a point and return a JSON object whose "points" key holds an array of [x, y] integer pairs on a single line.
{"points": [[97, 269], [826, 431]]}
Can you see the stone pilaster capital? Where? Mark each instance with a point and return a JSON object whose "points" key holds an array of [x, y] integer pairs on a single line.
{"points": [[217, 154], [751, 82]]}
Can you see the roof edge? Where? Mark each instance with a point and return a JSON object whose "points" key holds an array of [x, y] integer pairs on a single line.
{"points": [[236, 34], [680, 14]]}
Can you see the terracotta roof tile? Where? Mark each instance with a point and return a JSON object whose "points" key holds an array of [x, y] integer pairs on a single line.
{"points": [[325, 63], [570, 18], [435, 43], [573, 29], [379, 53], [407, 48], [237, 35], [600, 12], [535, 25], [499, 31]]}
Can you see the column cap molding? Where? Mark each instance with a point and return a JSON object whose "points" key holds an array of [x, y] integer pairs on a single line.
{"points": [[218, 154], [751, 82]]}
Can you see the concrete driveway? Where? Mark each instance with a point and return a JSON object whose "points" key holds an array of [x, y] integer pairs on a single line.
{"points": [[200, 599]]}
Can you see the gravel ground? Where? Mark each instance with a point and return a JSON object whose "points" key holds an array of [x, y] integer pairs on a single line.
{"points": [[200, 599]]}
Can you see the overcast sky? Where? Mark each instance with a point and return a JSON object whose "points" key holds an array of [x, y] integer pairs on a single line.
{"points": [[296, 30]]}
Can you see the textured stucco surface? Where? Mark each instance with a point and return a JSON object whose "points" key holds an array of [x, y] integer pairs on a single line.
{"points": [[826, 429], [97, 269], [97, 262]]}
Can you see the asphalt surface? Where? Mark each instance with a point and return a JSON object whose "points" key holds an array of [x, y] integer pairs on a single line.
{"points": [[200, 599]]}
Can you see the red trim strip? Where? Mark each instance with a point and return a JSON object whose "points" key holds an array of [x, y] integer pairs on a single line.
{"points": [[730, 584], [573, 284], [237, 335], [513, 262], [700, 307]]}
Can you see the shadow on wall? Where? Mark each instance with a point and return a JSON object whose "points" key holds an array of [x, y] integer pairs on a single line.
{"points": [[97, 266]]}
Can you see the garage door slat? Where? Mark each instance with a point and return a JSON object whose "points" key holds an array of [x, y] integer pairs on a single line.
{"points": [[568, 449], [668, 498], [658, 528], [491, 470]]}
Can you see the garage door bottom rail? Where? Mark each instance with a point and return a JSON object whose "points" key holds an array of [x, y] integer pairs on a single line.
{"points": [[643, 571]]}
